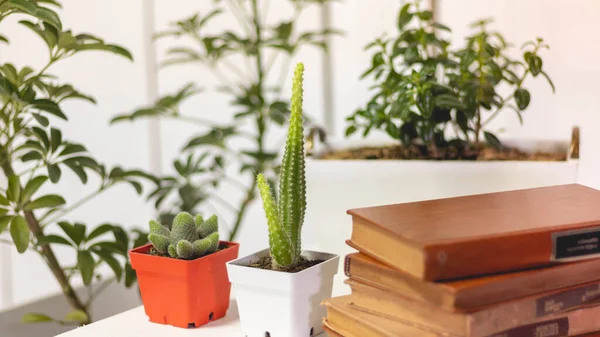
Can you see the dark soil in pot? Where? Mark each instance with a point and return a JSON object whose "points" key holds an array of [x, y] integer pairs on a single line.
{"points": [[448, 153], [266, 263]]}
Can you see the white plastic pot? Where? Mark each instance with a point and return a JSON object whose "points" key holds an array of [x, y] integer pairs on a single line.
{"points": [[278, 303]]}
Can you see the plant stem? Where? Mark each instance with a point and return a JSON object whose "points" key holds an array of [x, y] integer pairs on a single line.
{"points": [[477, 125], [260, 122], [48, 253], [97, 292], [250, 195], [76, 205]]}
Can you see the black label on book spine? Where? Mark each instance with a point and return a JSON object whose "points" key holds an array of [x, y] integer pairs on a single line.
{"points": [[554, 328], [566, 300], [572, 245]]}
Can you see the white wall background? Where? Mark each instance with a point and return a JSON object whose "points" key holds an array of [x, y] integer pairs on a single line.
{"points": [[569, 26]]}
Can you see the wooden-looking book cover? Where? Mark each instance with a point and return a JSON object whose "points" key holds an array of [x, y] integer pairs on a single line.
{"points": [[329, 330], [350, 320], [355, 323], [482, 234], [472, 293], [480, 323]]}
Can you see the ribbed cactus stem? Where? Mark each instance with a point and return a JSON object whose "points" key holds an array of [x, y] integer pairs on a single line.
{"points": [[281, 247], [286, 217]]}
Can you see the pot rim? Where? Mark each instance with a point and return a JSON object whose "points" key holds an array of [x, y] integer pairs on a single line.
{"points": [[330, 257], [141, 251]]}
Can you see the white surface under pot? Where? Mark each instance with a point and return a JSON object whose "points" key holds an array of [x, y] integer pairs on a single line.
{"points": [[334, 186], [282, 304]]}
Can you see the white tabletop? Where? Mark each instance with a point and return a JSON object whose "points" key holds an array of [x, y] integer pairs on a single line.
{"points": [[135, 323]]}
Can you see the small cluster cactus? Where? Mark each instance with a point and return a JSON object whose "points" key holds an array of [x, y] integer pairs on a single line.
{"points": [[285, 216], [190, 237]]}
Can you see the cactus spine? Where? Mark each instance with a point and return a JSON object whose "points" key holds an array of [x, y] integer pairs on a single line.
{"points": [[285, 217], [188, 238]]}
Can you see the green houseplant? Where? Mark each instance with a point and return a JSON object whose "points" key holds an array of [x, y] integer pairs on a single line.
{"points": [[438, 99], [33, 150], [279, 289], [245, 62], [182, 274]]}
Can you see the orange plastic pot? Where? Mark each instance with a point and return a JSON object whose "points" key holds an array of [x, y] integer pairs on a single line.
{"points": [[184, 293]]}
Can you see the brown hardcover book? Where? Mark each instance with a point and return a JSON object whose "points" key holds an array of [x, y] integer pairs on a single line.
{"points": [[474, 293], [329, 330], [355, 323], [482, 234], [480, 323], [350, 320]]}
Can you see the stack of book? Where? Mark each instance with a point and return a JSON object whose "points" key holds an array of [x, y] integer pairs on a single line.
{"points": [[507, 264]]}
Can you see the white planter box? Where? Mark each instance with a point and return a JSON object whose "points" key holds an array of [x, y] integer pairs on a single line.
{"points": [[282, 304], [334, 186]]}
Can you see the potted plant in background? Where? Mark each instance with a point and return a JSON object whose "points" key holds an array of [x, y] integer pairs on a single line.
{"points": [[435, 101], [278, 290], [210, 159], [181, 273], [35, 156]]}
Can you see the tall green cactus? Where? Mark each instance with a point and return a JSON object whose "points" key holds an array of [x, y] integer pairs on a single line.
{"points": [[285, 217], [188, 238]]}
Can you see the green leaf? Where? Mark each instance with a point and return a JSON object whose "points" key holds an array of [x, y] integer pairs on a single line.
{"points": [[19, 231], [75, 233], [4, 222], [22, 5], [440, 26], [31, 155], [86, 263], [32, 186], [77, 316], [449, 101], [102, 229], [13, 193], [425, 15], [392, 130], [41, 119], [4, 201], [350, 130], [141, 174], [535, 65], [404, 17], [72, 148], [42, 136], [492, 140], [48, 16], [78, 170], [549, 80], [54, 173], [522, 97], [48, 106], [36, 318], [48, 239], [46, 201], [105, 47], [55, 138], [130, 275], [111, 262], [136, 185]]}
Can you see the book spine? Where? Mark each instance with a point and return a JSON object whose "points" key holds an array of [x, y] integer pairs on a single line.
{"points": [[529, 310], [347, 262], [552, 328]]}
